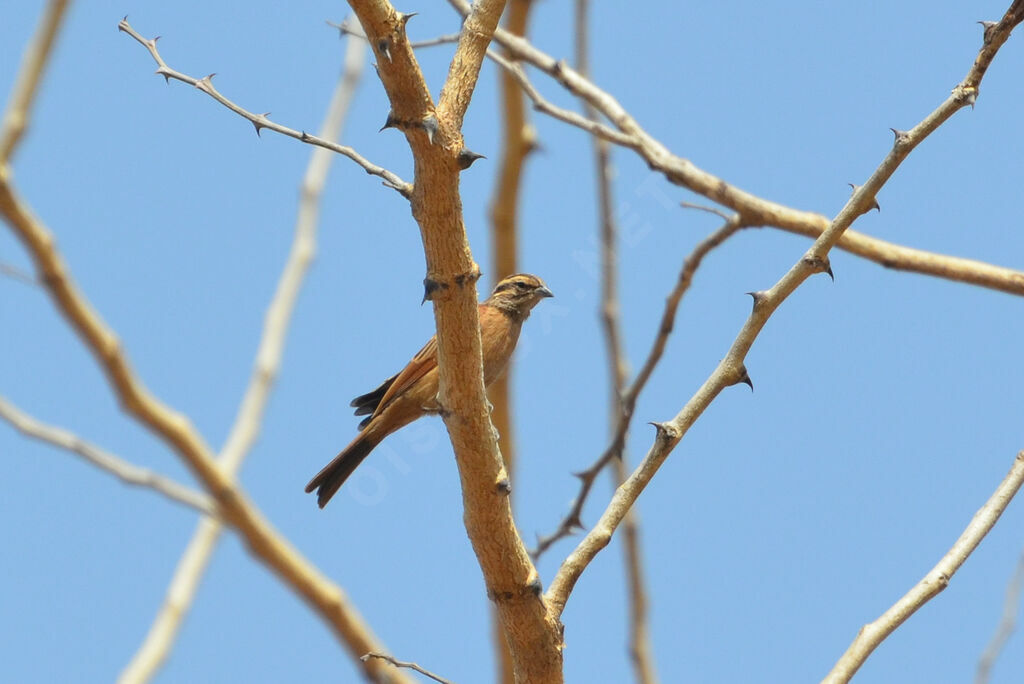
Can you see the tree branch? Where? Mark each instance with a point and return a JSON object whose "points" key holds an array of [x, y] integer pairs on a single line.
{"points": [[175, 429], [618, 370], [129, 473], [753, 209], [871, 635], [533, 634], [195, 559], [1005, 627], [406, 664], [464, 70], [260, 121], [573, 520], [29, 76], [731, 369]]}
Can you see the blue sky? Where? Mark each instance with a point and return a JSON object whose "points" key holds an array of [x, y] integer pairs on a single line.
{"points": [[887, 405]]}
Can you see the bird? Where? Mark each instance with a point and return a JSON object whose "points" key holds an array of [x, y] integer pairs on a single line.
{"points": [[412, 392]]}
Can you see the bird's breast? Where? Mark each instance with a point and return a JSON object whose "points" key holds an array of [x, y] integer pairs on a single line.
{"points": [[498, 337]]}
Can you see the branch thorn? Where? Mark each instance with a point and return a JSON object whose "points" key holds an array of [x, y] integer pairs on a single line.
{"points": [[404, 18], [874, 202], [430, 286], [744, 377], [391, 122], [819, 265], [259, 124], [901, 137], [758, 296], [430, 125], [467, 157], [989, 27], [206, 83]]}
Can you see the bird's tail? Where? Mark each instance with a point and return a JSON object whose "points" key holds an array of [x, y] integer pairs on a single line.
{"points": [[329, 480]]}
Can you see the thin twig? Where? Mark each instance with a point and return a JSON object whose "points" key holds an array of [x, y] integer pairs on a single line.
{"points": [[30, 74], [15, 273], [731, 370], [640, 650], [192, 566], [572, 520], [711, 210], [756, 210], [1005, 627], [129, 473], [937, 579], [261, 121], [406, 664], [543, 105], [352, 28]]}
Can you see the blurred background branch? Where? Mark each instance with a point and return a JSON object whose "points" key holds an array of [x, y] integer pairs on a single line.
{"points": [[181, 592]]}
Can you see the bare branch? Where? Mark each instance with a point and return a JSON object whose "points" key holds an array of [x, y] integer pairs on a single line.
{"points": [[176, 430], [755, 210], [191, 568], [1005, 627], [29, 75], [406, 664], [128, 473], [464, 70], [533, 633], [618, 369], [731, 369], [261, 121], [871, 635], [541, 104], [572, 520]]}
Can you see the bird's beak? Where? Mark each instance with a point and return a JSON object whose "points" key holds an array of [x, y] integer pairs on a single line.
{"points": [[543, 291]]}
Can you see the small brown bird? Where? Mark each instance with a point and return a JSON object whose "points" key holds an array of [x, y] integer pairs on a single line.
{"points": [[412, 393]]}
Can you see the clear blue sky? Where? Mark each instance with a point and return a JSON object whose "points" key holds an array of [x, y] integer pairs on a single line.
{"points": [[887, 406]]}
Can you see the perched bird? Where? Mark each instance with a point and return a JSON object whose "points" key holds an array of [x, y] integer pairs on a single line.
{"points": [[412, 393]]}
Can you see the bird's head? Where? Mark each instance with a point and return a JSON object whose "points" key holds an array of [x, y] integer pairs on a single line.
{"points": [[517, 294]]}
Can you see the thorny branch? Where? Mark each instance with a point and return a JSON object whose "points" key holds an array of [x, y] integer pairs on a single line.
{"points": [[731, 369], [618, 370], [753, 209], [573, 520], [261, 121], [435, 137]]}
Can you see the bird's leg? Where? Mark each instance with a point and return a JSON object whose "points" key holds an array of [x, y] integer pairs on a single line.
{"points": [[436, 408]]}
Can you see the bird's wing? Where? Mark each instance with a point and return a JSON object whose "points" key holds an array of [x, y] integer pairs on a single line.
{"points": [[422, 363]]}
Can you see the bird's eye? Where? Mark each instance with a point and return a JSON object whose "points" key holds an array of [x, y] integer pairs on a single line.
{"points": [[520, 285]]}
